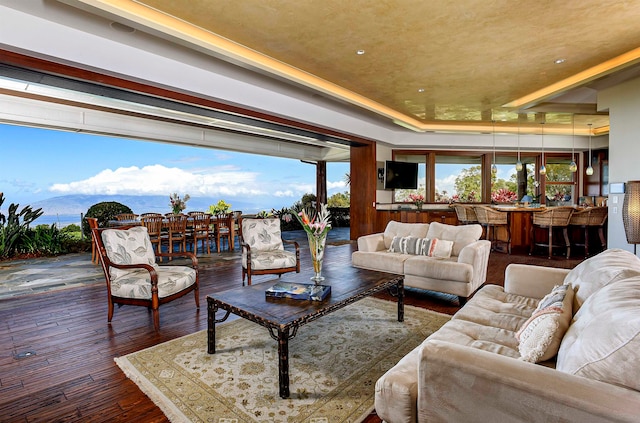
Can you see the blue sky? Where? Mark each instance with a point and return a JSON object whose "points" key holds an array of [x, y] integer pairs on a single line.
{"points": [[37, 164]]}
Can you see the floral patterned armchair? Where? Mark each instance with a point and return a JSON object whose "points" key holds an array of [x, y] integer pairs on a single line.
{"points": [[263, 249], [133, 277]]}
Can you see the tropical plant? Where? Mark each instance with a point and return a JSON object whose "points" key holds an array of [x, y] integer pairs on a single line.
{"points": [[13, 226], [340, 199]]}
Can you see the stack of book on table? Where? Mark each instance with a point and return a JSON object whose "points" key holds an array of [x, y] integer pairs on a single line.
{"points": [[298, 291]]}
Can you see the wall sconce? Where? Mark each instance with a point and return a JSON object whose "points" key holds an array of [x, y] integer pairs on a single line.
{"points": [[631, 213]]}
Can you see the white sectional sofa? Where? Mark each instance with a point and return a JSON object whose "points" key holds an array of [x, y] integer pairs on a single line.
{"points": [[457, 266], [511, 355]]}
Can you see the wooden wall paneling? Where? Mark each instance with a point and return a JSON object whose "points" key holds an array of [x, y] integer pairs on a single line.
{"points": [[363, 189]]}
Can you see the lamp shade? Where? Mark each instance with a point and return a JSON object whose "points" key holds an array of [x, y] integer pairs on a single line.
{"points": [[631, 212]]}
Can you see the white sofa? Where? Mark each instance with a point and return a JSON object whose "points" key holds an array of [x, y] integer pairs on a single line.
{"points": [[461, 273], [475, 369]]}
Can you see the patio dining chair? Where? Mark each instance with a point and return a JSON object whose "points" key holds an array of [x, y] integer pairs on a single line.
{"points": [[154, 225], [224, 230], [134, 278], [200, 232], [176, 232]]}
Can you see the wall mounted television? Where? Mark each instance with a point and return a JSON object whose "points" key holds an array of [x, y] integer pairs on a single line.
{"points": [[400, 175]]}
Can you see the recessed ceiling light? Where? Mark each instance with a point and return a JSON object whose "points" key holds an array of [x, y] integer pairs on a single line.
{"points": [[360, 52], [420, 90], [559, 61]]}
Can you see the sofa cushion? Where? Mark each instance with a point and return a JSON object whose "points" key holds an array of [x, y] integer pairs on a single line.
{"points": [[540, 336], [418, 230], [603, 341], [592, 274], [444, 269], [491, 306], [382, 261], [461, 236]]}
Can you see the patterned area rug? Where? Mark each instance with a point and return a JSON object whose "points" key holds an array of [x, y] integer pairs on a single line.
{"points": [[334, 364]]}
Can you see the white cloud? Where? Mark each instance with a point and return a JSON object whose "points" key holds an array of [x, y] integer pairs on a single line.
{"points": [[160, 180], [447, 184]]}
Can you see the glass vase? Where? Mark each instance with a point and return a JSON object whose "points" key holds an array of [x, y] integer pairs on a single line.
{"points": [[316, 245]]}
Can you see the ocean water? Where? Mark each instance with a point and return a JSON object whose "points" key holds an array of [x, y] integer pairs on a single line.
{"points": [[61, 220]]}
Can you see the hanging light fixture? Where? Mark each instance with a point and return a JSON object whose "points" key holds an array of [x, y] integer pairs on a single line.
{"points": [[518, 162], [589, 170], [573, 167], [494, 168], [543, 169]]}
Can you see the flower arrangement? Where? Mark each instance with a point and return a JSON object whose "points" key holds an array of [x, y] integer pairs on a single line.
{"points": [[417, 199], [315, 223], [221, 207], [504, 195], [178, 204]]}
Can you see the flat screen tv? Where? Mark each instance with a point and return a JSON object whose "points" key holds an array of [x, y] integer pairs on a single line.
{"points": [[401, 175]]}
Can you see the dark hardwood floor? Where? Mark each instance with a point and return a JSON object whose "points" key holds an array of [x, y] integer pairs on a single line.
{"points": [[71, 375]]}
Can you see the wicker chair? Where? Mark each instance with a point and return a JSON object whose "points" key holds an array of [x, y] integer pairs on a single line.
{"points": [[587, 219], [491, 219], [552, 219], [466, 214]]}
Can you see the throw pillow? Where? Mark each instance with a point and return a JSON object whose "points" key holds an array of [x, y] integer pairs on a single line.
{"points": [[540, 336], [435, 247], [406, 245]]}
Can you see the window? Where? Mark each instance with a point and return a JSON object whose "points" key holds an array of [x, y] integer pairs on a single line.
{"points": [[560, 184], [458, 178], [507, 184]]}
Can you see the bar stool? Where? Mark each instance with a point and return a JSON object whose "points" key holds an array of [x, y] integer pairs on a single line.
{"points": [[491, 219], [590, 218], [466, 214], [551, 219]]}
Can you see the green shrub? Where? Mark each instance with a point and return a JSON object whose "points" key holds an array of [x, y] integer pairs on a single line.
{"points": [[44, 240], [104, 212]]}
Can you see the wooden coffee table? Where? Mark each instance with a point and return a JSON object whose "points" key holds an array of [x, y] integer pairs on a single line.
{"points": [[283, 316]]}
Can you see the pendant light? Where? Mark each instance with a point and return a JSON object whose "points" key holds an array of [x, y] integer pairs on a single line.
{"points": [[589, 170], [494, 168], [518, 162], [543, 169], [573, 167]]}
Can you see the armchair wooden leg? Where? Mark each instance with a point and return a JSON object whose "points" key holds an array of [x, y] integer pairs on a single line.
{"points": [[110, 311], [156, 319]]}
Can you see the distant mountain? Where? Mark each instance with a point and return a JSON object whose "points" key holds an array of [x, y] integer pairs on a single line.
{"points": [[76, 204]]}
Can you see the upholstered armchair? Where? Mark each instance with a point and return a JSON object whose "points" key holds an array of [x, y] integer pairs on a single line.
{"points": [[263, 249], [132, 275]]}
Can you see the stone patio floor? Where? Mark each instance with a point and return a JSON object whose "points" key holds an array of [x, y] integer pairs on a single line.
{"points": [[31, 276]]}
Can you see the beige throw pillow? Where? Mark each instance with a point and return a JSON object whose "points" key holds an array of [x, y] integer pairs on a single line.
{"points": [[435, 247], [540, 336]]}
